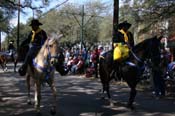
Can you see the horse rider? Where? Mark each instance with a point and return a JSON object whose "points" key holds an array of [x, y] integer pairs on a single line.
{"points": [[122, 42], [35, 40], [11, 49]]}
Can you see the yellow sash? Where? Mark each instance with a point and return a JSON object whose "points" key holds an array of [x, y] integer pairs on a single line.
{"points": [[125, 35], [34, 33], [121, 51]]}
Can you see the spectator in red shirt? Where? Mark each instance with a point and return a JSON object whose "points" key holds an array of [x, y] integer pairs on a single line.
{"points": [[78, 66], [95, 60]]}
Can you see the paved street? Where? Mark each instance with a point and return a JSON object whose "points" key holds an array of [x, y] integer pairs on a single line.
{"points": [[77, 96]]}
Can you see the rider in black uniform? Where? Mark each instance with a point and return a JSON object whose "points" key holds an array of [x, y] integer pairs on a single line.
{"points": [[11, 49], [36, 39], [121, 37]]}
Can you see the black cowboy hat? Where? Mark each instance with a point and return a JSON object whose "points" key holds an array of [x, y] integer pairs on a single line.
{"points": [[124, 24], [35, 22]]}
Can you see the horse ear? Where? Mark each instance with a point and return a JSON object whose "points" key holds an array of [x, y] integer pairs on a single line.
{"points": [[60, 35], [160, 37]]}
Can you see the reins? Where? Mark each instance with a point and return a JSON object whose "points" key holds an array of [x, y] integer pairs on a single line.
{"points": [[49, 54], [144, 62]]}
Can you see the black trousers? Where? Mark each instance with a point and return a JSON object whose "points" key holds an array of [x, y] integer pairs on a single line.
{"points": [[117, 69]]}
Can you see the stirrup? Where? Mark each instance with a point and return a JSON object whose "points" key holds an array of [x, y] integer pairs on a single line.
{"points": [[112, 73]]}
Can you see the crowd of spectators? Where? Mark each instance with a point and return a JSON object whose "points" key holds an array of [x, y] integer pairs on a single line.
{"points": [[85, 60]]}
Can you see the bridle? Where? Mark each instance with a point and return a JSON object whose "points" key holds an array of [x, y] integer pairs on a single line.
{"points": [[147, 57], [49, 56]]}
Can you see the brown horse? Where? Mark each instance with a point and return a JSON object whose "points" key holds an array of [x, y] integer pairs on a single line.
{"points": [[42, 70], [3, 62], [13, 57], [131, 70]]}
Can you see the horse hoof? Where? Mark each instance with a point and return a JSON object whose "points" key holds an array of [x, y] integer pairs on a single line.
{"points": [[131, 107], [29, 102], [38, 114], [53, 111], [22, 71], [111, 104], [102, 97]]}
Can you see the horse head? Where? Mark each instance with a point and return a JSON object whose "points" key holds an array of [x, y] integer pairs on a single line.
{"points": [[51, 49], [148, 49]]}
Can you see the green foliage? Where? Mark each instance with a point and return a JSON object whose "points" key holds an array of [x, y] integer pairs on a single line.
{"points": [[97, 19], [105, 33], [148, 15], [24, 31], [8, 10], [68, 20]]}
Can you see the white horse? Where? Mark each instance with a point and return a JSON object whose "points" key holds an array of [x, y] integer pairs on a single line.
{"points": [[43, 70]]}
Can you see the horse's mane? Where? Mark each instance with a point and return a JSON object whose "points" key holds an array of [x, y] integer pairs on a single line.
{"points": [[49, 41], [144, 44], [43, 48]]}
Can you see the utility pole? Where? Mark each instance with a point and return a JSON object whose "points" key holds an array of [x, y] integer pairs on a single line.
{"points": [[115, 16], [18, 25], [82, 26], [0, 39], [83, 23]]}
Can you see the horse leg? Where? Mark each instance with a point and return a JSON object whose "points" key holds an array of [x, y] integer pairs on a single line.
{"points": [[5, 65], [15, 64], [132, 96], [2, 65], [37, 96], [105, 79], [106, 89], [133, 93], [108, 94], [28, 89], [53, 88], [103, 91]]}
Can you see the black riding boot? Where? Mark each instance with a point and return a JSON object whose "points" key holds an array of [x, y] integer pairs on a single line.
{"points": [[23, 69], [33, 51], [117, 71]]}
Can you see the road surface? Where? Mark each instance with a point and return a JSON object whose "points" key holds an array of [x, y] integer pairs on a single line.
{"points": [[77, 96]]}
